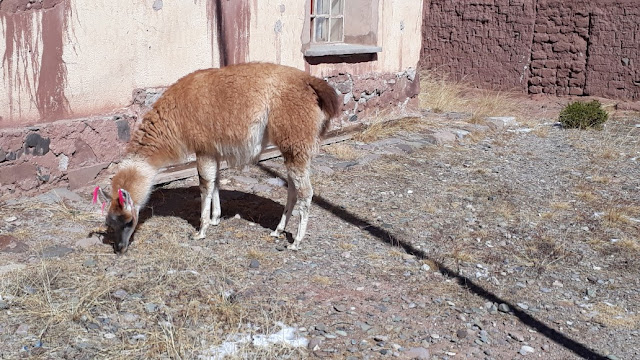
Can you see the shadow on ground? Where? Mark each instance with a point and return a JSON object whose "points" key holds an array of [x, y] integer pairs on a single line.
{"points": [[185, 204], [387, 237]]}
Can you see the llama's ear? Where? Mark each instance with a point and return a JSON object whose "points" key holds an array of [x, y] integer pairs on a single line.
{"points": [[124, 198], [101, 197]]}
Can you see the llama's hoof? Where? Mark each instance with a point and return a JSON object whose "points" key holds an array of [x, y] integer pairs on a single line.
{"points": [[293, 247], [275, 234], [198, 235]]}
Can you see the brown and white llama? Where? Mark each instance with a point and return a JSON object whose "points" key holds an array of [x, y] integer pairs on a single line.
{"points": [[227, 114]]}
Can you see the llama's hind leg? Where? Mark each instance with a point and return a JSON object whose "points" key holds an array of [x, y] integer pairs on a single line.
{"points": [[288, 209], [208, 172], [304, 192]]}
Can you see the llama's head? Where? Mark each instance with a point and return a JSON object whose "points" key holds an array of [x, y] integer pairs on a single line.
{"points": [[122, 217]]}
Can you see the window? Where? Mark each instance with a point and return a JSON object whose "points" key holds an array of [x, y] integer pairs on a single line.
{"points": [[327, 21], [342, 28]]}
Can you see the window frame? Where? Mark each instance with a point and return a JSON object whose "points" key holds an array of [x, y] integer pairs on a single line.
{"points": [[315, 51], [329, 18]]}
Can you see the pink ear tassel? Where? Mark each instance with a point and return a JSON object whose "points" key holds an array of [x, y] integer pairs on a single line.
{"points": [[120, 197], [102, 207], [95, 195]]}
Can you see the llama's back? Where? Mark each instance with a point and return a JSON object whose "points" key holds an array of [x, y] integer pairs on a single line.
{"points": [[233, 112]]}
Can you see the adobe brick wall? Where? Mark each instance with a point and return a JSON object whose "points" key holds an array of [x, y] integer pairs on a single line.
{"points": [[568, 47]]}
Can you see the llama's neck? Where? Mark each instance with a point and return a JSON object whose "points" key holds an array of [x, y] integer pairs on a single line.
{"points": [[158, 140], [136, 176]]}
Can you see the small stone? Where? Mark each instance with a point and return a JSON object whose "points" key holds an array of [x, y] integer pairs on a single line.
{"points": [[88, 242], [380, 338], [516, 336], [10, 218], [120, 294], [546, 347], [254, 264], [276, 182], [56, 251], [330, 336], [341, 332], [22, 330], [523, 306], [591, 292], [462, 333], [385, 351], [89, 263], [321, 327], [612, 357], [150, 307], [340, 308], [503, 308], [557, 284], [526, 350], [417, 353], [109, 336]]}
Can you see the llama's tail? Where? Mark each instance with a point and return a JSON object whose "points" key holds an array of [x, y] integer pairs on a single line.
{"points": [[327, 100]]}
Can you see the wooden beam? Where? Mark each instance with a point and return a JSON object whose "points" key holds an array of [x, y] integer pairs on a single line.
{"points": [[188, 169]]}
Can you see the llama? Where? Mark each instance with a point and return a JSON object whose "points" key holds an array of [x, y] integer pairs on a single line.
{"points": [[228, 114]]}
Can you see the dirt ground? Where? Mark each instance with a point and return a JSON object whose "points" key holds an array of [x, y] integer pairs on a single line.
{"points": [[431, 238]]}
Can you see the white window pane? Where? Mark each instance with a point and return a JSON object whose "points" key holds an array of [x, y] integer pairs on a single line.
{"points": [[321, 28], [321, 7], [336, 7], [337, 28]]}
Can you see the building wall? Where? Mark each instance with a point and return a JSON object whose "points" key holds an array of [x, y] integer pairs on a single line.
{"points": [[78, 75], [575, 47]]}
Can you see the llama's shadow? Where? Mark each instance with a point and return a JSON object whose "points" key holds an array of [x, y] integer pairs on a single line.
{"points": [[185, 204]]}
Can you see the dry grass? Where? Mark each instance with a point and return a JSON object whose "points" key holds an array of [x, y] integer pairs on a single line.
{"points": [[586, 195], [460, 255], [322, 280], [178, 297], [541, 131], [255, 254], [615, 317], [343, 151], [628, 245], [384, 129], [616, 216], [441, 94], [346, 246], [560, 205]]}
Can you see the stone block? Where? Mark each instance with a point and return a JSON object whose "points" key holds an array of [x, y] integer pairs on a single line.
{"points": [[84, 176]]}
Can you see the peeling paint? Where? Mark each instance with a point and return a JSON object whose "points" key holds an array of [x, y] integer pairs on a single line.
{"points": [[231, 22], [32, 61]]}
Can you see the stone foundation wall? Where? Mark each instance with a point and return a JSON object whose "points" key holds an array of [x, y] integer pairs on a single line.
{"points": [[68, 152], [78, 153], [574, 47]]}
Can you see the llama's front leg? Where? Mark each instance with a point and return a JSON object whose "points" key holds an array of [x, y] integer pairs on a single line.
{"points": [[304, 194], [209, 194]]}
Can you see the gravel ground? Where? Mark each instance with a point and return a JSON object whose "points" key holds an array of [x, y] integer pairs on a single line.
{"points": [[441, 240]]}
